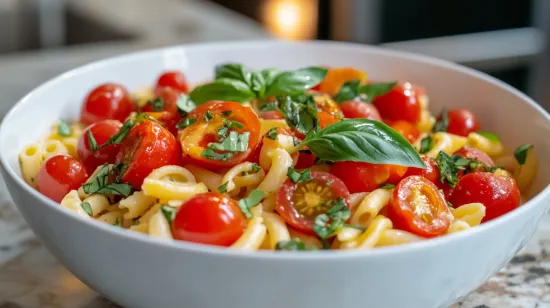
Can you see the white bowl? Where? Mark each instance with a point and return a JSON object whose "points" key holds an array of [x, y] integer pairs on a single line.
{"points": [[137, 271]]}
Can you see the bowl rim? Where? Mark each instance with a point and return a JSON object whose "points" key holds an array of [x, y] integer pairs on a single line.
{"points": [[184, 246]]}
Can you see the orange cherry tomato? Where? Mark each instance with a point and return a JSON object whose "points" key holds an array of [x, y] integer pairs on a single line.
{"points": [[101, 132], [498, 194], [326, 104], [110, 101], [326, 119], [406, 129], [336, 77], [299, 203], [59, 175], [172, 79], [209, 119], [366, 177], [147, 147], [355, 109], [431, 172], [461, 122], [419, 207], [209, 218], [400, 103]]}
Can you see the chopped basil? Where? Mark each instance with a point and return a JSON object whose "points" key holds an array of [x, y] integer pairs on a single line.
{"points": [[300, 113], [208, 116], [450, 166], [157, 104], [366, 93], [92, 142], [253, 199], [442, 124], [255, 168], [272, 133], [226, 113], [121, 135], [100, 184], [521, 153], [299, 177], [234, 124], [489, 135], [185, 104], [168, 212], [332, 220], [64, 129], [449, 204], [356, 226], [235, 142], [426, 144], [135, 222], [348, 91], [213, 155], [388, 186], [117, 222], [294, 244], [296, 82], [223, 188], [87, 208], [185, 122], [490, 169], [222, 131]]}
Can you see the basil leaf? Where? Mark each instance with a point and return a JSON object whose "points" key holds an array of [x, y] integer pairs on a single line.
{"points": [[234, 124], [443, 124], [235, 142], [168, 212], [135, 222], [448, 169], [185, 122], [490, 169], [157, 104], [255, 168], [208, 116], [64, 129], [223, 188], [294, 244], [372, 90], [272, 133], [213, 155], [426, 144], [232, 71], [117, 222], [299, 177], [257, 84], [269, 75], [121, 135], [521, 153], [489, 135], [185, 105], [388, 186], [100, 184], [223, 89], [87, 208], [92, 142], [362, 140], [348, 91], [332, 220], [253, 199], [296, 82], [300, 113]]}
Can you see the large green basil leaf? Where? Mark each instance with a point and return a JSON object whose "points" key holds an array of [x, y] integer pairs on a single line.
{"points": [[223, 89], [296, 82]]}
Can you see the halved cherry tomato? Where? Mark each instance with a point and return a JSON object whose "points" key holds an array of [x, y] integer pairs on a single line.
{"points": [[59, 175], [172, 79], [461, 122], [365, 177], [299, 203], [400, 103], [476, 154], [326, 104], [406, 129], [336, 77], [355, 109], [431, 172], [326, 119], [110, 101], [499, 194], [195, 138], [419, 207], [101, 132], [147, 147], [209, 218]]}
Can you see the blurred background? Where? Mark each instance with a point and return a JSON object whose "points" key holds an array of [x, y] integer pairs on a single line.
{"points": [[505, 38]]}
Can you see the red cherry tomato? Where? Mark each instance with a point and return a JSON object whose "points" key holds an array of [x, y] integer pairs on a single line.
{"points": [[499, 194], [406, 129], [167, 112], [172, 79], [109, 101], [400, 103], [365, 177], [147, 147], [476, 154], [101, 132], [431, 172], [209, 218], [195, 138], [59, 175], [355, 109], [461, 122], [305, 160], [419, 207], [299, 203], [272, 115]]}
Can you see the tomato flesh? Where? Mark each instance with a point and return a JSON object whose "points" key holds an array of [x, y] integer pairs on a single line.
{"points": [[209, 218], [419, 207], [110, 101], [101, 132], [431, 172], [400, 103], [299, 203], [462, 122], [366, 177], [59, 175], [172, 79], [406, 129], [355, 109]]}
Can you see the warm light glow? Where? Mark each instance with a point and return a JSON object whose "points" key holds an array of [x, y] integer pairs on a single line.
{"points": [[291, 19]]}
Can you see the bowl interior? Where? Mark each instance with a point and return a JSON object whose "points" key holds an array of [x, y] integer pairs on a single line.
{"points": [[500, 108]]}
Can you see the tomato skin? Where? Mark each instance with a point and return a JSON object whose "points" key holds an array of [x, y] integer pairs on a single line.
{"points": [[101, 131], [169, 116], [355, 109], [305, 160], [271, 115], [147, 147], [172, 79], [461, 122], [326, 119], [431, 172], [59, 175], [366, 177], [400, 103], [209, 218], [416, 191], [109, 101], [406, 129], [499, 194], [286, 199], [476, 154]]}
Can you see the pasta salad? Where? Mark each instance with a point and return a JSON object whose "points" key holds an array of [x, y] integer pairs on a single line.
{"points": [[307, 159]]}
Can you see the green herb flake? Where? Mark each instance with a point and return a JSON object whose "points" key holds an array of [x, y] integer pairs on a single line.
{"points": [[185, 104], [223, 188], [208, 116], [87, 208], [135, 222], [489, 135], [372, 90], [272, 133], [64, 129], [299, 177], [521, 153], [300, 113], [448, 169], [426, 144], [157, 104], [168, 212], [92, 142], [100, 184], [449, 204], [235, 142], [349, 91], [294, 244], [121, 135], [185, 122], [332, 220], [235, 124], [490, 169], [117, 222], [255, 168], [442, 124], [213, 155], [253, 199], [388, 186]]}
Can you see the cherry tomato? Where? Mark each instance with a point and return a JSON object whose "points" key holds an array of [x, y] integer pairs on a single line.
{"points": [[431, 172], [499, 194], [169, 98], [406, 129], [336, 77], [476, 154], [355, 109], [59, 175], [461, 122], [400, 103], [299, 203], [210, 118], [172, 79], [365, 177], [147, 147], [209, 218], [326, 119], [101, 132], [305, 160], [272, 115], [326, 104], [109, 101], [419, 207]]}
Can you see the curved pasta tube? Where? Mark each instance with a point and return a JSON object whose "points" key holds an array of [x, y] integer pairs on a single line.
{"points": [[255, 232], [447, 143], [371, 206], [282, 141], [72, 202], [51, 148], [235, 180], [490, 147], [266, 125], [347, 234], [355, 199], [471, 213], [141, 228], [147, 216], [276, 176], [136, 204], [269, 203], [159, 226], [508, 162], [426, 122], [211, 179], [391, 237], [305, 238], [71, 145], [98, 203], [457, 226], [30, 160], [371, 236], [526, 173], [504, 173], [172, 183], [111, 218], [277, 230]]}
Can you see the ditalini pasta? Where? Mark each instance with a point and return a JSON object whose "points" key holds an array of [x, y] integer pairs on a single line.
{"points": [[299, 160]]}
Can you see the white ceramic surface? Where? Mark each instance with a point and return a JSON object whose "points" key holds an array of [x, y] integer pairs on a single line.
{"points": [[136, 271]]}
